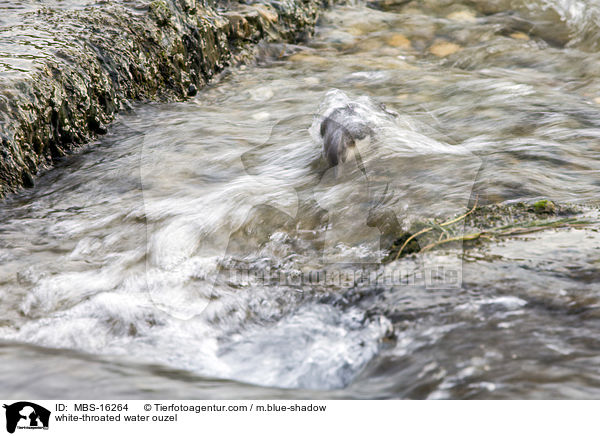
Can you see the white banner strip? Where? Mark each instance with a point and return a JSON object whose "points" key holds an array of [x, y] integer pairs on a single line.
{"points": [[283, 417]]}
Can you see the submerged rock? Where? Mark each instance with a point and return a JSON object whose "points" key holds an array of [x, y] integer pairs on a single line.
{"points": [[65, 73], [462, 16], [543, 207], [519, 35], [490, 222], [442, 49], [399, 40]]}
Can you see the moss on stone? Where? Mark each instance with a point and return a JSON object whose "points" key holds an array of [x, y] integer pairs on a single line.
{"points": [[543, 207]]}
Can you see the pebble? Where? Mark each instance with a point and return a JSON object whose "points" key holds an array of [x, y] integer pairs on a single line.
{"points": [[370, 44], [519, 35], [28, 180], [463, 16], [388, 63], [355, 31], [361, 28], [443, 49], [305, 57], [399, 40], [312, 80]]}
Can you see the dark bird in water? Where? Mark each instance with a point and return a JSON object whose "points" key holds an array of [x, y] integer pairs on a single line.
{"points": [[341, 130]]}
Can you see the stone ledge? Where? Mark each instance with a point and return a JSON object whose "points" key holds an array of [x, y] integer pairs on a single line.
{"points": [[100, 58]]}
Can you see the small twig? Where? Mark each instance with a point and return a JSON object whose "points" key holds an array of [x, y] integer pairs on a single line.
{"points": [[496, 233], [469, 237], [513, 229], [428, 229]]}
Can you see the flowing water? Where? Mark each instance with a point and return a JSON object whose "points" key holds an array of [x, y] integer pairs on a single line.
{"points": [[173, 257]]}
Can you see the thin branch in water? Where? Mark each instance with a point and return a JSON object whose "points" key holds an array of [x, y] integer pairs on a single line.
{"points": [[428, 229]]}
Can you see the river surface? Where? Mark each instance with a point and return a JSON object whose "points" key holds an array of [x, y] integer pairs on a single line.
{"points": [[172, 258]]}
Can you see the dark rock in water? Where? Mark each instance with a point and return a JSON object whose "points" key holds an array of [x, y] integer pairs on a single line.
{"points": [[489, 222], [94, 60], [192, 90], [28, 181], [96, 126], [411, 247]]}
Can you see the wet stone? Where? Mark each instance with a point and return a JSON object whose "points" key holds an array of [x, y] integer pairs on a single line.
{"points": [[399, 40], [306, 57], [463, 16], [443, 49], [519, 35]]}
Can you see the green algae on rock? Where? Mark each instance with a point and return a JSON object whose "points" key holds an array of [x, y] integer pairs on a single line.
{"points": [[544, 207], [96, 59]]}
